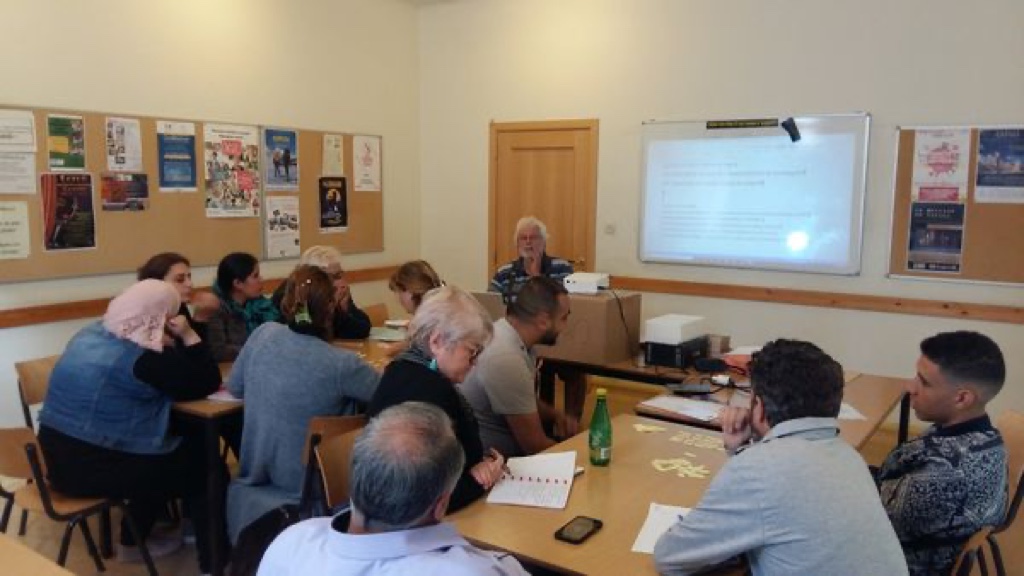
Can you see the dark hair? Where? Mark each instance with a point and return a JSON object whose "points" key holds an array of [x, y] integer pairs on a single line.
{"points": [[417, 277], [405, 459], [965, 356], [796, 379], [157, 267], [310, 288], [234, 266], [539, 295]]}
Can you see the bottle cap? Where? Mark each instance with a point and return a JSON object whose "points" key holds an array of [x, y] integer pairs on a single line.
{"points": [[601, 392]]}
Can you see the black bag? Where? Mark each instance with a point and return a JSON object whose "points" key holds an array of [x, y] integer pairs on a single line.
{"points": [[255, 538]]}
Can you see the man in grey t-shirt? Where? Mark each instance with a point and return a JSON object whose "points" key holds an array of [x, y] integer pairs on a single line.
{"points": [[501, 386]]}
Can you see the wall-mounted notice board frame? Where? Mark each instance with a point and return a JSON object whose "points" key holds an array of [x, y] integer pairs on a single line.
{"points": [[958, 204], [177, 221]]}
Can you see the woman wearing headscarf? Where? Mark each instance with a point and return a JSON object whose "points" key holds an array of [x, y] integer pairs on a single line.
{"points": [[104, 425], [243, 307], [446, 335]]}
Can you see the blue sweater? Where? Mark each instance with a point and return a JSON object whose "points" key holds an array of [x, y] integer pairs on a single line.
{"points": [[286, 378]]}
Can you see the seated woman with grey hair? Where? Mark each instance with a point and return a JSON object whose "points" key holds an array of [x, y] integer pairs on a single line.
{"points": [[446, 335], [349, 322]]}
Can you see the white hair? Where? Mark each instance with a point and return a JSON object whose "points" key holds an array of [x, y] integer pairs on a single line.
{"points": [[453, 315], [321, 256], [531, 222]]}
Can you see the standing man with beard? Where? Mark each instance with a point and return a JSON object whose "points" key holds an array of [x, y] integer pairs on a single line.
{"points": [[501, 386]]}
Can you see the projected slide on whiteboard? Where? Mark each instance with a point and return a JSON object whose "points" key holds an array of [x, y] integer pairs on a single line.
{"points": [[755, 197]]}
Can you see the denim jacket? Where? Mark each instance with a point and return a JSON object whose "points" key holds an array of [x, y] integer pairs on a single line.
{"points": [[95, 397]]}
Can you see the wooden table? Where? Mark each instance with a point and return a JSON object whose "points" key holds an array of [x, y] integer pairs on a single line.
{"points": [[618, 494], [208, 416], [20, 559], [873, 396]]}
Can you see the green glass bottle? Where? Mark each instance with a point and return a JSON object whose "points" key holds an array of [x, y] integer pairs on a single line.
{"points": [[601, 431]]}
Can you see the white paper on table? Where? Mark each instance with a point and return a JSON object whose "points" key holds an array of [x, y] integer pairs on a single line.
{"points": [[223, 395], [384, 334], [543, 480], [660, 517], [697, 409], [742, 351], [847, 412]]}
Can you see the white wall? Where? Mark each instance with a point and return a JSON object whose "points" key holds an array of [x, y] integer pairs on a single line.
{"points": [[907, 63], [348, 65]]}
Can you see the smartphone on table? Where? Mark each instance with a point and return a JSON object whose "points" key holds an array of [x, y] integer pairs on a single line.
{"points": [[578, 529]]}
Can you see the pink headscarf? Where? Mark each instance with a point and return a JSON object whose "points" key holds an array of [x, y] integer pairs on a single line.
{"points": [[140, 313]]}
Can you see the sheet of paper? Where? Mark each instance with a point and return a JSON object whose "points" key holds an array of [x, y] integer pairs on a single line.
{"points": [[684, 406], [660, 517], [743, 351], [14, 233], [387, 334], [543, 480], [847, 412], [223, 395], [17, 172]]}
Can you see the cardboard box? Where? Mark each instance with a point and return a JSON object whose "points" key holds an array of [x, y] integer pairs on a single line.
{"points": [[596, 333]]}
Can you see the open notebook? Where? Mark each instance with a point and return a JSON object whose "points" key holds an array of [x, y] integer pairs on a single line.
{"points": [[543, 481]]}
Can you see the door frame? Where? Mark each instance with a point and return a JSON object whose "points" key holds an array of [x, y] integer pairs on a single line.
{"points": [[589, 188]]}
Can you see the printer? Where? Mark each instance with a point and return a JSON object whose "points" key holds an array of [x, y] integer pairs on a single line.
{"points": [[674, 340]]}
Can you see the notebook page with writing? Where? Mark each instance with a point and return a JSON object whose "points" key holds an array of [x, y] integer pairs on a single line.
{"points": [[543, 481]]}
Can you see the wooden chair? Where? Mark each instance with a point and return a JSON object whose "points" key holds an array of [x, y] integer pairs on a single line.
{"points": [[1011, 426], [973, 552], [322, 428], [378, 314], [20, 457], [334, 457], [33, 381]]}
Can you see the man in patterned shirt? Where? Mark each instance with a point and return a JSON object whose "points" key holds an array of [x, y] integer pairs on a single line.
{"points": [[531, 242], [944, 486]]}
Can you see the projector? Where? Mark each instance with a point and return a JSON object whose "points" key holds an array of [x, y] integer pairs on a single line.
{"points": [[585, 282]]}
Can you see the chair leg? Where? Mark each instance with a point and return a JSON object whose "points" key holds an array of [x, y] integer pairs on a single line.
{"points": [[62, 557], [24, 521], [7, 514], [981, 562], [138, 540], [106, 535], [997, 556], [91, 545]]}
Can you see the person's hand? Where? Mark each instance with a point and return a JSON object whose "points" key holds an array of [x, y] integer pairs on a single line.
{"points": [[489, 470], [343, 295], [180, 328], [736, 429], [567, 426], [204, 306]]}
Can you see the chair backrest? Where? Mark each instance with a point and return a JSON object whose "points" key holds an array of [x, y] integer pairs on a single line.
{"points": [[334, 455], [325, 427], [33, 381], [377, 313], [1011, 426], [13, 463], [973, 551]]}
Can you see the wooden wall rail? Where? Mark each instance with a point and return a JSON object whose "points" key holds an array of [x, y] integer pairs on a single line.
{"points": [[887, 304], [64, 311]]}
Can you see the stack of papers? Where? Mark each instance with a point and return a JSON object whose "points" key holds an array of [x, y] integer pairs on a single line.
{"points": [[386, 334], [660, 518], [543, 481], [223, 395], [696, 409]]}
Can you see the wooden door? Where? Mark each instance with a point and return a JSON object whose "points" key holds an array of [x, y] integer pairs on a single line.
{"points": [[548, 170]]}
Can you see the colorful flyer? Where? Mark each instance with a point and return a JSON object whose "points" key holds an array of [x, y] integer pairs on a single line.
{"points": [[14, 234], [941, 160], [366, 160], [333, 205], [176, 155], [124, 145], [66, 138], [281, 159], [1000, 166], [232, 159], [68, 220], [282, 233], [123, 192], [334, 155], [936, 237]]}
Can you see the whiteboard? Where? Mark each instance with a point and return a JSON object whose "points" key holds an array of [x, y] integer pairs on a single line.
{"points": [[747, 194]]}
